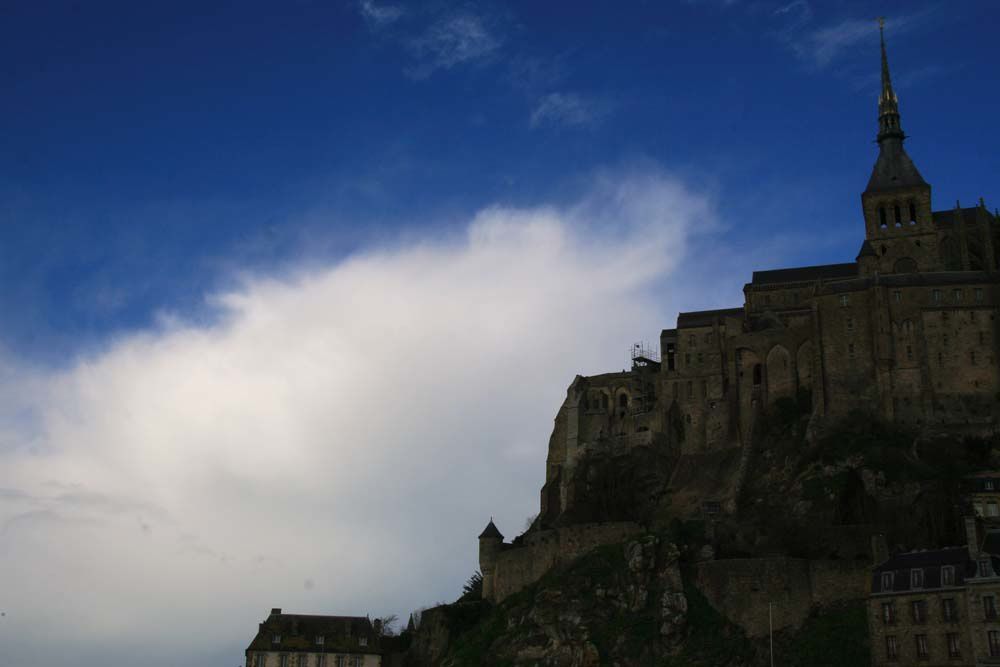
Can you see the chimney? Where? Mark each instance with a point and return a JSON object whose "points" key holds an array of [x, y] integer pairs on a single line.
{"points": [[880, 550], [276, 611], [972, 536]]}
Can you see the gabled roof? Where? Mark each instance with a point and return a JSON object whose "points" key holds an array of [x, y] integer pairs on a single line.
{"points": [[968, 216], [930, 562], [491, 531], [706, 318], [805, 274]]}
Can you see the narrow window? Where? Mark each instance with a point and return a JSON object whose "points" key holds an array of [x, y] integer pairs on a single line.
{"points": [[708, 337], [897, 296], [850, 350], [978, 507], [913, 214], [888, 613], [850, 324], [276, 639], [690, 389], [948, 608], [700, 358], [303, 660], [988, 485], [845, 299], [909, 353], [936, 296], [282, 660], [881, 219], [991, 509], [919, 608], [363, 641], [687, 358], [921, 645], [979, 295], [989, 607], [261, 660], [994, 640], [886, 581], [947, 575], [957, 294], [623, 401], [692, 340], [891, 650], [916, 578], [972, 357], [954, 648], [898, 215], [757, 375]]}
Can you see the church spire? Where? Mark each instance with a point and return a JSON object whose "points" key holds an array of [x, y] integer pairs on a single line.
{"points": [[888, 103]]}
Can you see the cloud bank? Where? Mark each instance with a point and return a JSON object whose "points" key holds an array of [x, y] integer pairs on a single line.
{"points": [[332, 443]]}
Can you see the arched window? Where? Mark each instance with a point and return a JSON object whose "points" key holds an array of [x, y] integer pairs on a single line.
{"points": [[898, 215], [905, 265], [757, 375], [623, 401], [604, 401], [913, 214], [881, 217]]}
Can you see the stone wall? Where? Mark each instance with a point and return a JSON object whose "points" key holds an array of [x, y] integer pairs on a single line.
{"points": [[518, 566], [741, 588]]}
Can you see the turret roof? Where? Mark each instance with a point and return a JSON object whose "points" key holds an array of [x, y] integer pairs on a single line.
{"points": [[491, 531]]}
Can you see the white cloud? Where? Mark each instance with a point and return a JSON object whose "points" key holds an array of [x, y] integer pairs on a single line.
{"points": [[570, 109], [452, 40], [821, 46], [332, 443], [379, 15]]}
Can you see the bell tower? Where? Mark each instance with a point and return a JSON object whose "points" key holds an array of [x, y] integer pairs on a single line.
{"points": [[897, 201]]}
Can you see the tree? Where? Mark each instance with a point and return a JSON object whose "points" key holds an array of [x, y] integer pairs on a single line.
{"points": [[473, 588], [384, 625]]}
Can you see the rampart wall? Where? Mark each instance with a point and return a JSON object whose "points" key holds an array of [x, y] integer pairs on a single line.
{"points": [[518, 566], [742, 588]]}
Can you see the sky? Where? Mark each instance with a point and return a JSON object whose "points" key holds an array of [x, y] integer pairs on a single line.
{"points": [[290, 293]]}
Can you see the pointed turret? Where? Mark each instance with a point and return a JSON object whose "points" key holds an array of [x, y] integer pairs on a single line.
{"points": [[894, 168]]}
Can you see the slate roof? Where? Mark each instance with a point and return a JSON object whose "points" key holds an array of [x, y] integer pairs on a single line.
{"points": [[806, 274], [970, 215], [866, 250], [930, 561], [706, 318], [893, 169], [298, 632], [491, 531]]}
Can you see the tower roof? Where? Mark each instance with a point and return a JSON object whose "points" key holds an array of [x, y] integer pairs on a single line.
{"points": [[491, 531], [893, 168]]}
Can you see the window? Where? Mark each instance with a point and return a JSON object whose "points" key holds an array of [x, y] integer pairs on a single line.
{"points": [[283, 660], [948, 609], [936, 296], [919, 608], [954, 648], [363, 641], [988, 484], [978, 506], [303, 660], [622, 400], [321, 660], [845, 299], [687, 358], [260, 660], [957, 295], [708, 337], [913, 214], [982, 337], [897, 296], [989, 607], [850, 350], [984, 568], [692, 340], [887, 581], [991, 508], [690, 389], [994, 640], [921, 645], [909, 352], [897, 215], [978, 292], [916, 578], [888, 613], [276, 639], [700, 358], [948, 575], [881, 217], [340, 661], [850, 324], [356, 661], [891, 649]]}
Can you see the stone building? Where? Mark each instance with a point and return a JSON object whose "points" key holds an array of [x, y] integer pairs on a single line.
{"points": [[982, 490], [299, 640], [938, 606], [907, 332]]}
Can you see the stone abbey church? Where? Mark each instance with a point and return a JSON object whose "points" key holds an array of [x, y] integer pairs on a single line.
{"points": [[907, 331]]}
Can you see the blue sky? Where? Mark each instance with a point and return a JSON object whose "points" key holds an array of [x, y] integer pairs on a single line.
{"points": [[291, 292], [151, 147]]}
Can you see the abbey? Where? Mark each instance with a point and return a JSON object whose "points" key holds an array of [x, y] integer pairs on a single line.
{"points": [[907, 332]]}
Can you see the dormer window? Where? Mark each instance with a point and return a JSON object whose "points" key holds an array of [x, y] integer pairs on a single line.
{"points": [[916, 578], [320, 640], [887, 581], [363, 641], [989, 485], [845, 299], [276, 638], [948, 575], [984, 568]]}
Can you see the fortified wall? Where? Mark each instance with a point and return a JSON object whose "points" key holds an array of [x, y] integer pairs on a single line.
{"points": [[742, 589], [508, 568]]}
